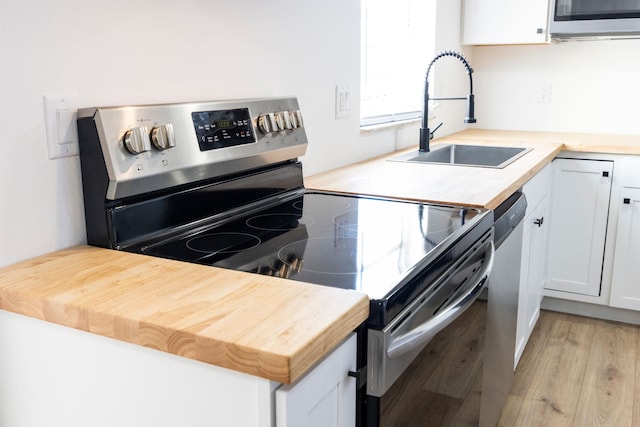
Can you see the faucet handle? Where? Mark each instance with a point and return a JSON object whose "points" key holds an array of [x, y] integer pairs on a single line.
{"points": [[434, 131]]}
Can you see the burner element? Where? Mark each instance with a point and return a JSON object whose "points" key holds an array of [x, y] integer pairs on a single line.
{"points": [[223, 243]]}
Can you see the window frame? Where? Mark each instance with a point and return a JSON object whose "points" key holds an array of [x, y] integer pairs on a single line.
{"points": [[408, 110]]}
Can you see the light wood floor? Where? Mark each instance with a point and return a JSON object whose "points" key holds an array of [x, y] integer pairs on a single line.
{"points": [[575, 371]]}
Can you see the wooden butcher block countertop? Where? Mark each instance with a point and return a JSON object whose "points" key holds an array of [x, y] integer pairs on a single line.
{"points": [[462, 185], [264, 326]]}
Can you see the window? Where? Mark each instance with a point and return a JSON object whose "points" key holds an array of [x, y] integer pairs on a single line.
{"points": [[397, 43]]}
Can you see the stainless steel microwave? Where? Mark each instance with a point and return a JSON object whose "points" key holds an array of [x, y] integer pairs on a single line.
{"points": [[589, 19]]}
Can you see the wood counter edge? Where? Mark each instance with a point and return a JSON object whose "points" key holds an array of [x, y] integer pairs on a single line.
{"points": [[515, 186], [267, 362]]}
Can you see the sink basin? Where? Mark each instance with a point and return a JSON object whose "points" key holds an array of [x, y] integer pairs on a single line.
{"points": [[467, 155]]}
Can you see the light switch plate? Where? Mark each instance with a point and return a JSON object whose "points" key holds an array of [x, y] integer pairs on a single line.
{"points": [[60, 117], [343, 102]]}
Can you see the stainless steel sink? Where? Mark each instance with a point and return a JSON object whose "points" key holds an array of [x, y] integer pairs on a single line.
{"points": [[467, 155]]}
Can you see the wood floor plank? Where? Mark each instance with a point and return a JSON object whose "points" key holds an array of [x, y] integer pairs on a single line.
{"points": [[469, 413], [552, 398], [527, 368], [636, 393], [606, 398]]}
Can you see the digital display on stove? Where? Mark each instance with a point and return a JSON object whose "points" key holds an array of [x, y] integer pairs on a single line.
{"points": [[225, 128]]}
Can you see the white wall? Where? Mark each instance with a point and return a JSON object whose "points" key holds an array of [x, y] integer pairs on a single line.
{"points": [[144, 51], [595, 87]]}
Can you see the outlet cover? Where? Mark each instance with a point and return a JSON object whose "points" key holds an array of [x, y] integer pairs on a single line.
{"points": [[343, 102], [60, 118], [544, 93]]}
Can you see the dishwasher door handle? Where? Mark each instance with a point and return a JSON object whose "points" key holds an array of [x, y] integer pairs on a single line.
{"points": [[427, 330]]}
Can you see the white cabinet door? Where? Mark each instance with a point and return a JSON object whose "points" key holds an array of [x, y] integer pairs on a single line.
{"points": [[488, 22], [625, 286], [325, 397], [532, 273], [579, 214]]}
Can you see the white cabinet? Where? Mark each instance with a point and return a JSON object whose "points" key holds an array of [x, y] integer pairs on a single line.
{"points": [[625, 286], [490, 22], [534, 256], [75, 378], [325, 397], [578, 224]]}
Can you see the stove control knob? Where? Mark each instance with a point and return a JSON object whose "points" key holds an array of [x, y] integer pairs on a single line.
{"points": [[136, 140], [162, 137], [293, 119], [296, 119], [267, 123], [284, 123]]}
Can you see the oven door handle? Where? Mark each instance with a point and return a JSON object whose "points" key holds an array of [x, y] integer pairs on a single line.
{"points": [[426, 331]]}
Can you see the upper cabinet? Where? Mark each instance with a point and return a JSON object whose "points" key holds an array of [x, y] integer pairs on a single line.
{"points": [[534, 256], [496, 22]]}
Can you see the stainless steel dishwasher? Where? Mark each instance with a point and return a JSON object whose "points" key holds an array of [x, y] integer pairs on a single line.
{"points": [[502, 308]]}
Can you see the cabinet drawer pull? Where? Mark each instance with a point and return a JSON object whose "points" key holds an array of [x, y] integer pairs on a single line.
{"points": [[605, 174], [539, 221], [360, 375], [626, 201]]}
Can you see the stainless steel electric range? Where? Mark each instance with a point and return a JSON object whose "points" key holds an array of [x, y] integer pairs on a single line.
{"points": [[220, 183]]}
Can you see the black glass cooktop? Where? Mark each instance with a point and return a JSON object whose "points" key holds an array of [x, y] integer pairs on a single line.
{"points": [[358, 243]]}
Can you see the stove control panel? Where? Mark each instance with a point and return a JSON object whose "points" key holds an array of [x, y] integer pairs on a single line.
{"points": [[147, 148]]}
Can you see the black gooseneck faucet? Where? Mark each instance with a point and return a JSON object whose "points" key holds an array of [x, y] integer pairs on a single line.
{"points": [[426, 135]]}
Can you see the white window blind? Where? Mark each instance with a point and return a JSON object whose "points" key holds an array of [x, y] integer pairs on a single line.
{"points": [[397, 43]]}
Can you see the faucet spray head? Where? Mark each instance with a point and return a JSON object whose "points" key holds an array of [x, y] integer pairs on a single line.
{"points": [[470, 109]]}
